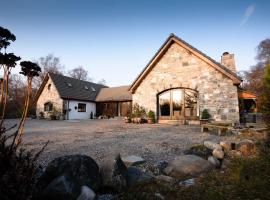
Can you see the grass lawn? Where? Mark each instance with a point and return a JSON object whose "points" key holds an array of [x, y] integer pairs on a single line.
{"points": [[245, 178]]}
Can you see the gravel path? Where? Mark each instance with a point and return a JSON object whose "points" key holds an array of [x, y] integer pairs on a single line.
{"points": [[103, 138]]}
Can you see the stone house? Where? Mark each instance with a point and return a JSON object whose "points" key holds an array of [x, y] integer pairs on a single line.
{"points": [[178, 83]]}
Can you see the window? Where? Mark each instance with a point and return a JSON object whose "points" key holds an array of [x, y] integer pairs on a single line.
{"points": [[179, 103], [49, 87], [93, 89], [81, 107], [48, 106]]}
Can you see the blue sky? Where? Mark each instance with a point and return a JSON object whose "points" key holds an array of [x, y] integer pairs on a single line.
{"points": [[114, 39]]}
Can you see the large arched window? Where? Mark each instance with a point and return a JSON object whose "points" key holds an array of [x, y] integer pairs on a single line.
{"points": [[179, 103]]}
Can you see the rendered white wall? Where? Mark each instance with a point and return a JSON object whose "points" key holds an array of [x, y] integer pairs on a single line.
{"points": [[74, 114]]}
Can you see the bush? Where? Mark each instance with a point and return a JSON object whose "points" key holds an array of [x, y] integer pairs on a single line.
{"points": [[266, 97], [151, 114], [138, 111], [205, 114]]}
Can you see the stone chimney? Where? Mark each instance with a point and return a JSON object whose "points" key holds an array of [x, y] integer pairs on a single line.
{"points": [[227, 60]]}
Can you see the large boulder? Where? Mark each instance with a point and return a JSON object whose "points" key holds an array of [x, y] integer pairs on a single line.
{"points": [[187, 166], [212, 145], [86, 194], [114, 173], [136, 176], [199, 150], [67, 174], [214, 161], [246, 147], [133, 160], [218, 153], [61, 188]]}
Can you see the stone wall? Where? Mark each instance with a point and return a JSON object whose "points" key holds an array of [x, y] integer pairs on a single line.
{"points": [[49, 95], [180, 68]]}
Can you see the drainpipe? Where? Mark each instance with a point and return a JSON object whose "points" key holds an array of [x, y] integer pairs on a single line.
{"points": [[68, 110]]}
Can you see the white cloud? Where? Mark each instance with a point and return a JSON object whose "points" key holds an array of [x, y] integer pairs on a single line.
{"points": [[249, 11]]}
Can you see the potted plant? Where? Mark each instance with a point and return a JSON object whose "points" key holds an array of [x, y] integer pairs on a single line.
{"points": [[54, 114], [128, 118], [151, 117], [138, 114], [205, 116]]}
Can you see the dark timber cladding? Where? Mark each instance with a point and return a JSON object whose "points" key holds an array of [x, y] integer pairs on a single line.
{"points": [[114, 101]]}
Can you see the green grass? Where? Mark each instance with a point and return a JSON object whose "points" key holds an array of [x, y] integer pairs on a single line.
{"points": [[247, 178]]}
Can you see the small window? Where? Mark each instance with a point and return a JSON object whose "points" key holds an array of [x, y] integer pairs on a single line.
{"points": [[48, 106], [93, 89], [49, 86], [85, 87], [81, 107], [69, 84]]}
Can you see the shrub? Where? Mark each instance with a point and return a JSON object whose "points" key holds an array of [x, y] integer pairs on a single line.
{"points": [[266, 96], [151, 114], [205, 114], [138, 111]]}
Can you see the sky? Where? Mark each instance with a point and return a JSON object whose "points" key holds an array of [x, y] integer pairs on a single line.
{"points": [[115, 39]]}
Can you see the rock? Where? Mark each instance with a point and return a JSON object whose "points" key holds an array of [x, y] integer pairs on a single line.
{"points": [[71, 172], [166, 179], [114, 173], [187, 166], [188, 182], [86, 194], [212, 145], [227, 146], [199, 150], [153, 169], [225, 163], [161, 164], [133, 160], [159, 196], [234, 153], [107, 197], [246, 147], [135, 176], [60, 189], [218, 153], [214, 161]]}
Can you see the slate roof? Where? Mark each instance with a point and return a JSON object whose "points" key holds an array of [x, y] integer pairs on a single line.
{"points": [[120, 93], [71, 88]]}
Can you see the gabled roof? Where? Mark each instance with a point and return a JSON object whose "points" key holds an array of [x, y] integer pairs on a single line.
{"points": [[120, 93], [165, 46], [71, 88]]}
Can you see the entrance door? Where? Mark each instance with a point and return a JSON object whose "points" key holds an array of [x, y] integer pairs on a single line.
{"points": [[171, 104]]}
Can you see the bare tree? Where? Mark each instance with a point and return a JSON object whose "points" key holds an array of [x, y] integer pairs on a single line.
{"points": [[263, 49], [79, 73], [49, 63]]}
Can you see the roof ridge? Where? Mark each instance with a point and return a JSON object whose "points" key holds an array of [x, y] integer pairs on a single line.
{"points": [[75, 79]]}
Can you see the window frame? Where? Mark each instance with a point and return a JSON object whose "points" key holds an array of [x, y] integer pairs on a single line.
{"points": [[79, 109], [48, 105]]}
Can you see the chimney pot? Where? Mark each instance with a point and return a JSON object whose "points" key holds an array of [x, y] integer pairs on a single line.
{"points": [[228, 61]]}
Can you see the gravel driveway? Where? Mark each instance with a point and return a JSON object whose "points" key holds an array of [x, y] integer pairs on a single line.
{"points": [[102, 138]]}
